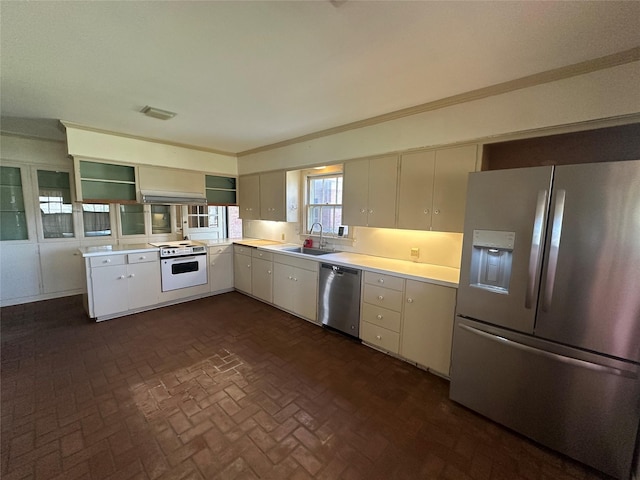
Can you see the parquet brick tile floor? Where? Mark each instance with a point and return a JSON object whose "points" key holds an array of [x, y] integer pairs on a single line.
{"points": [[227, 387]]}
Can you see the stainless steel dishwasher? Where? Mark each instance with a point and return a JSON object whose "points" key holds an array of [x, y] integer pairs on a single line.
{"points": [[339, 298]]}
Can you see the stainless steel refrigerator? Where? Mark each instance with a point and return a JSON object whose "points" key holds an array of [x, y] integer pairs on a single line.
{"points": [[547, 328]]}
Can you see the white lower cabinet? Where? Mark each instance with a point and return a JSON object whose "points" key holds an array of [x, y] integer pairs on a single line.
{"points": [[295, 286], [221, 277], [409, 318], [427, 329], [117, 284], [242, 268], [62, 267], [262, 275]]}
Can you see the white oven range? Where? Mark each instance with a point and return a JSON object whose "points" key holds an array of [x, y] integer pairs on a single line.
{"points": [[183, 264]]}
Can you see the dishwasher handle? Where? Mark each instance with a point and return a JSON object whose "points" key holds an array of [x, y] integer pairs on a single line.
{"points": [[338, 270]]}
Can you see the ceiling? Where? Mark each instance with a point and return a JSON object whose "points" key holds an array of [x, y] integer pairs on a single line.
{"points": [[242, 74]]}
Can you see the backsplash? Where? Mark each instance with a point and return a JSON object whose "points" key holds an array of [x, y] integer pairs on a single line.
{"points": [[437, 248]]}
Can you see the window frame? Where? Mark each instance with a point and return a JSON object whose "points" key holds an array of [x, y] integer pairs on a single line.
{"points": [[222, 230], [75, 211], [28, 203], [335, 171]]}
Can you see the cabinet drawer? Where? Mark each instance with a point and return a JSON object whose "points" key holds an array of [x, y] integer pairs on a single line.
{"points": [[242, 249], [220, 249], [381, 317], [380, 337], [383, 297], [142, 257], [387, 281], [262, 254], [106, 260], [302, 263]]}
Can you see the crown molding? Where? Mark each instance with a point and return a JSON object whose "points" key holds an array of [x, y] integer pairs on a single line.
{"points": [[581, 68]]}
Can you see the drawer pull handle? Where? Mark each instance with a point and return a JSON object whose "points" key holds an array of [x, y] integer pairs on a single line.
{"points": [[379, 317], [132, 275], [379, 337], [381, 280], [380, 297], [142, 257], [108, 260], [409, 300], [121, 277]]}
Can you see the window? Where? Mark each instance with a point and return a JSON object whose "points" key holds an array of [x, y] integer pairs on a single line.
{"points": [[132, 219], [160, 219], [96, 219], [207, 219], [324, 202], [212, 222], [13, 219], [56, 210]]}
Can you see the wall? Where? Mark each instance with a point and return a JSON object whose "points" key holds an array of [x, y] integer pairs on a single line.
{"points": [[590, 97], [598, 95]]}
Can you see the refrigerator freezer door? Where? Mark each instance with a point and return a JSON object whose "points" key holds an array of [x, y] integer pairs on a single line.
{"points": [[516, 201], [583, 405], [590, 289]]}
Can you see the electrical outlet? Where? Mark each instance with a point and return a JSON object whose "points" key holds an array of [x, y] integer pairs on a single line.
{"points": [[283, 236], [415, 252]]}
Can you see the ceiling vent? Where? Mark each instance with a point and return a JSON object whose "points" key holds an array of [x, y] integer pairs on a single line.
{"points": [[157, 113]]}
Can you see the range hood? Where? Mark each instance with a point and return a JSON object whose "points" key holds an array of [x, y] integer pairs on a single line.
{"points": [[171, 198]]}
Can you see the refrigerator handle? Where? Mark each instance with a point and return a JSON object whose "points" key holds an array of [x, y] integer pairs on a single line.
{"points": [[536, 247], [554, 248], [554, 356]]}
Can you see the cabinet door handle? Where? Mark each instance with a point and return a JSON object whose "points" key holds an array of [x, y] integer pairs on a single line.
{"points": [[362, 210], [381, 280], [380, 297], [295, 279], [248, 266], [436, 211], [380, 317], [121, 277], [132, 275], [409, 300], [379, 337], [269, 272], [426, 211], [370, 212]]}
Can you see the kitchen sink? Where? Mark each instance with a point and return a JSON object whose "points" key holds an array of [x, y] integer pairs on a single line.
{"points": [[307, 251]]}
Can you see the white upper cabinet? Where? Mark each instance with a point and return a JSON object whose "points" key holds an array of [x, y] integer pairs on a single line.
{"points": [[270, 196], [249, 196], [369, 195], [433, 186]]}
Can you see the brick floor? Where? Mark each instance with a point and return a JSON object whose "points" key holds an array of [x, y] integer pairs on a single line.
{"points": [[230, 388]]}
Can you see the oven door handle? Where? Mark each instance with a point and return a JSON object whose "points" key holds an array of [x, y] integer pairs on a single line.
{"points": [[182, 259]]}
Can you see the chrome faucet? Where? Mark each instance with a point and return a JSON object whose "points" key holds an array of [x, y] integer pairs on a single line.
{"points": [[311, 231]]}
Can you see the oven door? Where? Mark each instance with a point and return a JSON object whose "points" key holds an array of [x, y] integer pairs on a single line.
{"points": [[183, 272]]}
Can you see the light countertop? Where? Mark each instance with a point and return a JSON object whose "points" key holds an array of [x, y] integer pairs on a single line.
{"points": [[437, 274], [95, 251]]}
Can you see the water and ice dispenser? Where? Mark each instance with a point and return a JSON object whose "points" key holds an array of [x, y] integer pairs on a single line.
{"points": [[491, 260]]}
